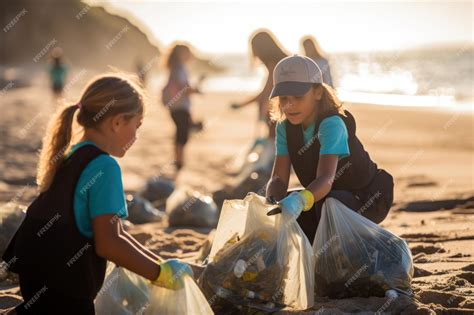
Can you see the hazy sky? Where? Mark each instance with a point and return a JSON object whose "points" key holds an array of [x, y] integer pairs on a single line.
{"points": [[225, 26]]}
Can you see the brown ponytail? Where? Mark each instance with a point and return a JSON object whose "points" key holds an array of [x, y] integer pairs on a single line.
{"points": [[105, 96], [55, 143]]}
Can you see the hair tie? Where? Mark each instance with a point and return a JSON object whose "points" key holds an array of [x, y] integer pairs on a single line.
{"points": [[79, 105]]}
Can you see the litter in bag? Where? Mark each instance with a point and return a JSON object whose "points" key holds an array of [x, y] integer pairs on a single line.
{"points": [[356, 257], [258, 261], [126, 293]]}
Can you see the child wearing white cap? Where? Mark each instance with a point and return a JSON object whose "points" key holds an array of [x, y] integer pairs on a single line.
{"points": [[317, 136]]}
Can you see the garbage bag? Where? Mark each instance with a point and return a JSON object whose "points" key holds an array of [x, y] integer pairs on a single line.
{"points": [[253, 176], [188, 300], [190, 208], [142, 211], [126, 293], [157, 189], [356, 257], [11, 216], [258, 261], [123, 293]]}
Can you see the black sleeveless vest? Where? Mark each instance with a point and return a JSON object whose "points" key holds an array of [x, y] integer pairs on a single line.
{"points": [[48, 241], [353, 172]]}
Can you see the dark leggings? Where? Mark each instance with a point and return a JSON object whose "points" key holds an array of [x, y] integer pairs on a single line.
{"points": [[182, 120], [39, 299]]}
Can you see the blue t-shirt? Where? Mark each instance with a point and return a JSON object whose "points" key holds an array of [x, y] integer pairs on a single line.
{"points": [[332, 136], [99, 191]]}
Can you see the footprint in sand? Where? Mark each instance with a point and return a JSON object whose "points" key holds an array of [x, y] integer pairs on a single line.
{"points": [[445, 299], [446, 204], [468, 276], [427, 249]]}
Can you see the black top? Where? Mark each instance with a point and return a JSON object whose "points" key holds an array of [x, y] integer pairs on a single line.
{"points": [[48, 240], [353, 172]]}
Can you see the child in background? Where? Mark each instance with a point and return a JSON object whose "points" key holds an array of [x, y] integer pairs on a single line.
{"points": [[176, 96], [74, 226], [57, 72], [318, 138]]}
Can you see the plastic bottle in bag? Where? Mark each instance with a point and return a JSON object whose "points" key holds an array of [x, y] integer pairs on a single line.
{"points": [[259, 261], [356, 257]]}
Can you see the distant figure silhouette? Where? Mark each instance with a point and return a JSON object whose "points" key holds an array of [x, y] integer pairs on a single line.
{"points": [[175, 96], [311, 49], [141, 71], [57, 72], [266, 48]]}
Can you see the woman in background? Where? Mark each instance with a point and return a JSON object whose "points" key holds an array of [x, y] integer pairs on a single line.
{"points": [[312, 50], [266, 48]]}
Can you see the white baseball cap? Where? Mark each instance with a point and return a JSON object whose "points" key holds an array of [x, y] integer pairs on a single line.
{"points": [[295, 75]]}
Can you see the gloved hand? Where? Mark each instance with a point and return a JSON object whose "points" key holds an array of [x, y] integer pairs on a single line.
{"points": [[171, 274], [296, 202]]}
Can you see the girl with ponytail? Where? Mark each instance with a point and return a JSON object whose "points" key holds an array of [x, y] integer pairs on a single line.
{"points": [[74, 226]]}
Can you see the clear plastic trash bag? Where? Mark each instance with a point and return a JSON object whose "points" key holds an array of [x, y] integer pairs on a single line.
{"points": [[356, 257], [126, 293], [11, 216], [258, 261]]}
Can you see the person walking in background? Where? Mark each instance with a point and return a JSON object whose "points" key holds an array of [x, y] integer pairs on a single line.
{"points": [[57, 72], [176, 96], [311, 49], [266, 48]]}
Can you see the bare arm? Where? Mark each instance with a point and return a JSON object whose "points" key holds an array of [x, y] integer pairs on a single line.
{"points": [[325, 176], [112, 245], [140, 246], [278, 183], [261, 97]]}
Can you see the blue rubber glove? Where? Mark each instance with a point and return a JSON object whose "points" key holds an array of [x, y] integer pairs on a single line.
{"points": [[171, 274], [297, 202]]}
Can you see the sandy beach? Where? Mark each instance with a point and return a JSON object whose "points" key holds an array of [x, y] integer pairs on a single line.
{"points": [[428, 151]]}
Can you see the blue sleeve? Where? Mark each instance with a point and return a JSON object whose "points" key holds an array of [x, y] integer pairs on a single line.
{"points": [[280, 140], [102, 185], [333, 137]]}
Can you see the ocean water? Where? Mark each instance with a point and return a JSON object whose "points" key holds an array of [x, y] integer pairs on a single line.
{"points": [[440, 77]]}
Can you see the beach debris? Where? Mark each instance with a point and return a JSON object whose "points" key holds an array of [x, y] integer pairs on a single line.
{"points": [[141, 211], [11, 216], [252, 258], [126, 293], [245, 271], [190, 208], [356, 257], [157, 189], [254, 175]]}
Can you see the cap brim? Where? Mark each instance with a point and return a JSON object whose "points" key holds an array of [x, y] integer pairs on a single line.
{"points": [[290, 88]]}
